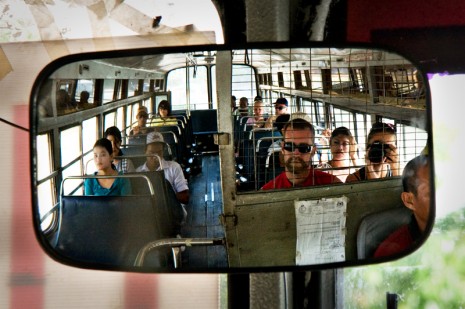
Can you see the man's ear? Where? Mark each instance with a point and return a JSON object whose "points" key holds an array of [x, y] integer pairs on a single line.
{"points": [[407, 199]]}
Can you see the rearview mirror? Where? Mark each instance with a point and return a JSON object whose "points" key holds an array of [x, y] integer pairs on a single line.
{"points": [[151, 160]]}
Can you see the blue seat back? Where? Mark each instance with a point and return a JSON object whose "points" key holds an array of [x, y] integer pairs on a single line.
{"points": [[108, 230]]}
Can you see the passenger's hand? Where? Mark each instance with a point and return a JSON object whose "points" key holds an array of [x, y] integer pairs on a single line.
{"points": [[392, 157], [353, 152], [376, 170]]}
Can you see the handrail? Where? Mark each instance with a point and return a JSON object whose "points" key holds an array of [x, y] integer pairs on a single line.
{"points": [[175, 242], [149, 183], [174, 134], [266, 138]]}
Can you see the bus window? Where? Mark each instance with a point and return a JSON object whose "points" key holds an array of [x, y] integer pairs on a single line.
{"points": [[129, 120], [45, 190], [164, 96], [146, 86], [343, 118], [108, 90], [85, 85], [307, 106], [361, 120], [243, 82], [191, 92], [120, 117], [109, 120], [133, 87], [340, 78], [89, 133], [70, 152], [411, 140]]}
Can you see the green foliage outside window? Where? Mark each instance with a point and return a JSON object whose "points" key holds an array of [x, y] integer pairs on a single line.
{"points": [[431, 277]]}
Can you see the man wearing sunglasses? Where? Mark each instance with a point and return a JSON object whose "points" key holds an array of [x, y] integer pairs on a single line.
{"points": [[280, 107], [298, 149]]}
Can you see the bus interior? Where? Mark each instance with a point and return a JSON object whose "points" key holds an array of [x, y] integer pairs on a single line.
{"points": [[231, 223]]}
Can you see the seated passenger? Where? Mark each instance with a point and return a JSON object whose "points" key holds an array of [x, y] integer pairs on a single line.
{"points": [[280, 107], [243, 109], [111, 186], [298, 149], [84, 101], [280, 122], [343, 151], [233, 104], [173, 171], [141, 127], [381, 158], [416, 197], [164, 115], [63, 102], [113, 134], [258, 120], [323, 151]]}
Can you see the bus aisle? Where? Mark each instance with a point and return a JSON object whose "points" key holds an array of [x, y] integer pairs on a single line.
{"points": [[203, 210]]}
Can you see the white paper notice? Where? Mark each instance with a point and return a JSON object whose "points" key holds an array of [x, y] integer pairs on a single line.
{"points": [[320, 230]]}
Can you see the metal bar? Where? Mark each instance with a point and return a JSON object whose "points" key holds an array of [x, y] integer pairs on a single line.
{"points": [[175, 242]]}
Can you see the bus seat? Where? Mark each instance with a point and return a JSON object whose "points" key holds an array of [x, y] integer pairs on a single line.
{"points": [[180, 136], [134, 150], [167, 205], [107, 230], [257, 142], [136, 153], [139, 139], [262, 149], [263, 141], [273, 165], [172, 128], [204, 121], [376, 227], [171, 141], [204, 124]]}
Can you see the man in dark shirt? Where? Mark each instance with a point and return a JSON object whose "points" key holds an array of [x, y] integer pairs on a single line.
{"points": [[298, 148], [416, 196]]}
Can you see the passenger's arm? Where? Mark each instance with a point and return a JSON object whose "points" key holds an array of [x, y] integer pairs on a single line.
{"points": [[353, 177], [393, 159], [183, 196], [269, 122], [180, 184], [88, 187]]}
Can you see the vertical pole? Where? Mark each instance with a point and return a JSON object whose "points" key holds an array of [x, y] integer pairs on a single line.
{"points": [[268, 21]]}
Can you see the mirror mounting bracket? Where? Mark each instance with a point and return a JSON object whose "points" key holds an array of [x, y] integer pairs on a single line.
{"points": [[228, 220], [222, 138]]}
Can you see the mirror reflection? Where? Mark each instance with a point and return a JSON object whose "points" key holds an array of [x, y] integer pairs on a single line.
{"points": [[214, 159]]}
